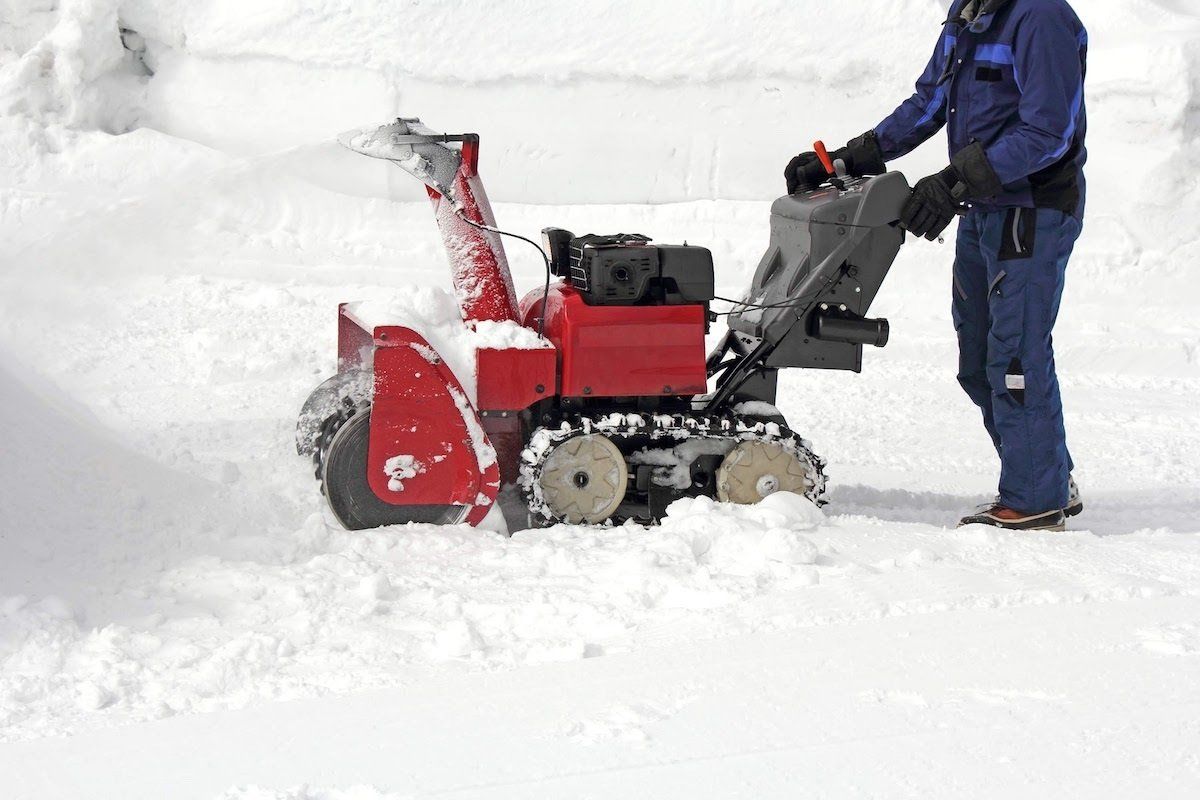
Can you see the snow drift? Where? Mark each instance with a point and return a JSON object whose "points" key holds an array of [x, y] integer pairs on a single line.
{"points": [[176, 228]]}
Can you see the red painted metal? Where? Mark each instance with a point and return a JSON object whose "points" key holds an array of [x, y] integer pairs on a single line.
{"points": [[622, 351], [478, 266], [512, 380], [421, 410], [504, 432]]}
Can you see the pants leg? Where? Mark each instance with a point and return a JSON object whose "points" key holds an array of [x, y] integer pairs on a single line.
{"points": [[1026, 251], [971, 318]]}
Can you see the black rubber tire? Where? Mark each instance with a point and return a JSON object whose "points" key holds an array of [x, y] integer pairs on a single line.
{"points": [[344, 480]]}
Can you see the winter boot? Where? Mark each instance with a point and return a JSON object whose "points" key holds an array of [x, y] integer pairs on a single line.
{"points": [[1000, 517], [1074, 500]]}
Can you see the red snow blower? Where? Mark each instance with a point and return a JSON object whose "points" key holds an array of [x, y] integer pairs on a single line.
{"points": [[616, 411]]}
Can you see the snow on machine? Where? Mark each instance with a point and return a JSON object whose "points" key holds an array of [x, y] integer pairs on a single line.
{"points": [[608, 408]]}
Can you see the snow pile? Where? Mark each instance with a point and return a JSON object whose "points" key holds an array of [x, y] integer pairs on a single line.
{"points": [[506, 335], [713, 101], [326, 610], [345, 610], [168, 299], [306, 793], [80, 73], [764, 542], [435, 315]]}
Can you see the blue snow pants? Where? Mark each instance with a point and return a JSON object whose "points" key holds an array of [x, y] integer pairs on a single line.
{"points": [[1009, 269]]}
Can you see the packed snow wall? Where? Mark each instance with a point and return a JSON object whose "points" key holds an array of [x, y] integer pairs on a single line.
{"points": [[641, 104]]}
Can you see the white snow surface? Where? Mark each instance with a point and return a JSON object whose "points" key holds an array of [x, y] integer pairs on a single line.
{"points": [[181, 617]]}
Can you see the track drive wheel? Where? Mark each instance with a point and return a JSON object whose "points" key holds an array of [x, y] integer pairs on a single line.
{"points": [[754, 469], [343, 474], [584, 479]]}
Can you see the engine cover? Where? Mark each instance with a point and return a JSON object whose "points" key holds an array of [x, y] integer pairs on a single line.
{"points": [[622, 351], [626, 270]]}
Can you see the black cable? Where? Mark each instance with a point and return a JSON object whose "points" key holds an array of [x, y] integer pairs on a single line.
{"points": [[744, 305], [782, 304], [461, 214]]}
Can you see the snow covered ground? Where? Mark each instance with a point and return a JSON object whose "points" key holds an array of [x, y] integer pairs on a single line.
{"points": [[180, 617]]}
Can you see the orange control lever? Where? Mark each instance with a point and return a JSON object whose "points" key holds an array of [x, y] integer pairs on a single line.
{"points": [[823, 154]]}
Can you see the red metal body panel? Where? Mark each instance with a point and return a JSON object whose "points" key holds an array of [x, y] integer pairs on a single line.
{"points": [[478, 266], [622, 351], [513, 380], [427, 443], [420, 410], [504, 431]]}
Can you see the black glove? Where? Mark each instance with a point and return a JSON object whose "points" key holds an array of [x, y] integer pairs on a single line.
{"points": [[933, 203], [936, 199], [805, 171], [861, 156]]}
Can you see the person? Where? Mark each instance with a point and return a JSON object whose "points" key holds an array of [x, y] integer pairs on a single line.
{"points": [[1006, 80]]}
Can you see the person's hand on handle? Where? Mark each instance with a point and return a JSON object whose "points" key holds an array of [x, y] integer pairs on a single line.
{"points": [[932, 205], [805, 171], [861, 156], [936, 199]]}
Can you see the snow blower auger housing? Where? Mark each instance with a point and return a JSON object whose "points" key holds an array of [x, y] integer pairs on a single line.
{"points": [[611, 409]]}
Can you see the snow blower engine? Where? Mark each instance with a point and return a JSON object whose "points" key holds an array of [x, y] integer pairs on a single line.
{"points": [[598, 402]]}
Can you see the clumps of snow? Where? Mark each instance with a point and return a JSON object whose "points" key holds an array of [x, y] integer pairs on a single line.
{"points": [[307, 793], [672, 466], [507, 335], [623, 723], [401, 468], [378, 142], [765, 541], [344, 610], [757, 408], [485, 453], [1172, 640], [79, 74], [434, 313]]}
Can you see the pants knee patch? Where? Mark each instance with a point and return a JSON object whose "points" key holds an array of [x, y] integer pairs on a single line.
{"points": [[1014, 381], [1006, 379]]}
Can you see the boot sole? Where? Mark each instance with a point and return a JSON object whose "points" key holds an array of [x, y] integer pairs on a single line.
{"points": [[1042, 522]]}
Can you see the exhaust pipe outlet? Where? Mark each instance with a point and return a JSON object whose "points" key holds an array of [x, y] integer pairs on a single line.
{"points": [[850, 328]]}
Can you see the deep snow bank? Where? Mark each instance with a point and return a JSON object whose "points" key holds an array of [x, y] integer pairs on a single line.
{"points": [[161, 548], [307, 793], [641, 104]]}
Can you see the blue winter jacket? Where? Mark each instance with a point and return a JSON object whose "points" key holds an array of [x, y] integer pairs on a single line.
{"points": [[1010, 85]]}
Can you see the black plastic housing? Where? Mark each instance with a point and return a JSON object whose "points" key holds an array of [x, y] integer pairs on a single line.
{"points": [[557, 242], [626, 270], [850, 329]]}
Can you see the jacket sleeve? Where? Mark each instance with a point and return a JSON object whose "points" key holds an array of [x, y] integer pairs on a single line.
{"points": [[923, 114], [1048, 67]]}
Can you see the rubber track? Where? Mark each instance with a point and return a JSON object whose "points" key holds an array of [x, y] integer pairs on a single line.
{"points": [[673, 428]]}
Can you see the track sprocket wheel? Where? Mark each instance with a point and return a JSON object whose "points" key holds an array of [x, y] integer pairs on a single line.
{"points": [[756, 469], [584, 479]]}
